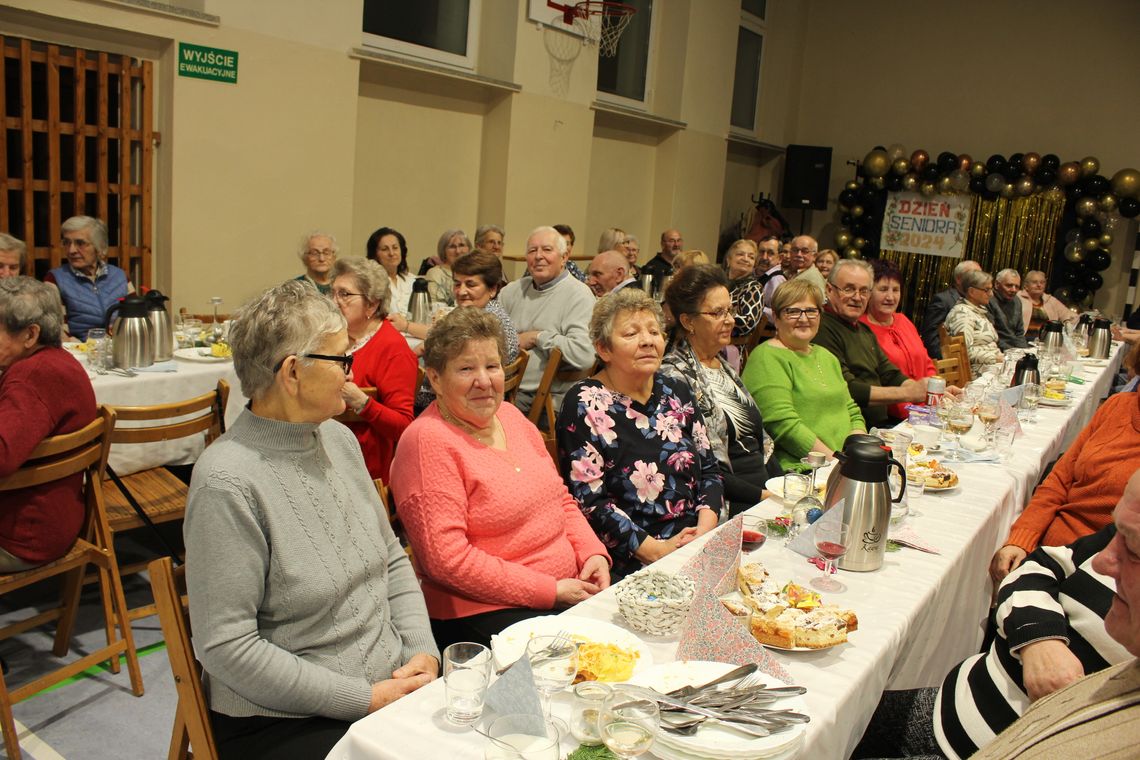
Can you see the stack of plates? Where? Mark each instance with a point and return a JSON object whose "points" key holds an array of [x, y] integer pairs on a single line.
{"points": [[713, 741]]}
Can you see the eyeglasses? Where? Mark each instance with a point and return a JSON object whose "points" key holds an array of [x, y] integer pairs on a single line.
{"points": [[344, 361], [80, 244], [324, 253], [720, 314], [341, 295], [793, 312], [851, 290]]}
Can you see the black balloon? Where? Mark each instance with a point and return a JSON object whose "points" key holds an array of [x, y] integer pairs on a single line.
{"points": [[846, 220], [1051, 162], [1075, 192], [1093, 280], [894, 183], [847, 198], [929, 172], [978, 185], [995, 164], [1079, 292], [1014, 167], [947, 162], [1129, 207], [1046, 177], [1098, 260], [858, 227], [1097, 184], [1071, 275], [1091, 228], [866, 194]]}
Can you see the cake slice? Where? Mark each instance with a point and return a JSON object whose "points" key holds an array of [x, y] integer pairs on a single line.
{"points": [[776, 630]]}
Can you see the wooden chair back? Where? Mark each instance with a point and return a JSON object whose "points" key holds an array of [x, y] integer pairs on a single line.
{"points": [[556, 370], [205, 318], [209, 412], [513, 375], [951, 370], [192, 721], [81, 452], [956, 349]]}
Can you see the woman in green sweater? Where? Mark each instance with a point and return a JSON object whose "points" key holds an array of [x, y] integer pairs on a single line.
{"points": [[798, 386]]}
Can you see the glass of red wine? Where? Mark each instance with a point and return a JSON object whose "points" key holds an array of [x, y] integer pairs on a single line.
{"points": [[831, 543], [754, 532]]}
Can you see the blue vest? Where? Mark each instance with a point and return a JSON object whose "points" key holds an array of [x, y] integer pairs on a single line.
{"points": [[86, 301]]}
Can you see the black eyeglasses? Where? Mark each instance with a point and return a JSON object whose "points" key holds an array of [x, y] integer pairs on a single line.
{"points": [[345, 361], [793, 312]]}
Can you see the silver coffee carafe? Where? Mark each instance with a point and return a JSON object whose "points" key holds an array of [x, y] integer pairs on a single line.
{"points": [[161, 330], [132, 344], [419, 306], [1052, 335], [1100, 339], [864, 490]]}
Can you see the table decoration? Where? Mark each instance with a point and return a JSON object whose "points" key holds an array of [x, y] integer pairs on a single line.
{"points": [[655, 602]]}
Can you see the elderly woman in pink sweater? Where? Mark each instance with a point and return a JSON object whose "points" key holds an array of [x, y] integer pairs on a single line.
{"points": [[497, 537]]}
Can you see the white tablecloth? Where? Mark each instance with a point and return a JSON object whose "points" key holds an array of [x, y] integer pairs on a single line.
{"points": [[919, 615], [146, 388]]}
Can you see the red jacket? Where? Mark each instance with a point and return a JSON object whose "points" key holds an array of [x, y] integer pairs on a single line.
{"points": [[386, 363]]}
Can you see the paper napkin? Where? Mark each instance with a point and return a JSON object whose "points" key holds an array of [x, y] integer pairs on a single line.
{"points": [[514, 693]]}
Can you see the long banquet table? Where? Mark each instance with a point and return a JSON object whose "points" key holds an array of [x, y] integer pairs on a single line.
{"points": [[919, 615]]}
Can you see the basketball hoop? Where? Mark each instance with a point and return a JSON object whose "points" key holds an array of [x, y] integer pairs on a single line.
{"points": [[601, 22]]}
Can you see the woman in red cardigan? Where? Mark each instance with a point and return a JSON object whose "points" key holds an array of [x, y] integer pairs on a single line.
{"points": [[897, 335], [381, 360], [1078, 496]]}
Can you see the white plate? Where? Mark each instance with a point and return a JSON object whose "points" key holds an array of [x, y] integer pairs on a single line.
{"points": [[510, 644], [200, 355], [1095, 362], [776, 485], [670, 752], [714, 741], [1055, 403]]}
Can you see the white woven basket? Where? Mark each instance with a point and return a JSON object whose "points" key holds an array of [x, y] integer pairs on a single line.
{"points": [[655, 602]]}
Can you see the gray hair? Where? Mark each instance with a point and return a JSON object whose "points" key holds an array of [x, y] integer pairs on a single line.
{"points": [[960, 271], [304, 248], [1005, 274], [975, 279], [290, 319], [25, 301], [632, 239], [847, 264], [559, 241], [98, 230], [450, 335], [482, 230], [1035, 273], [625, 301], [371, 279], [445, 238], [611, 238], [9, 243]]}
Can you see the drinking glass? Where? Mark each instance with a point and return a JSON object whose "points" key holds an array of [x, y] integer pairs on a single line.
{"points": [[796, 486], [193, 329], [945, 406], [754, 533], [554, 662], [915, 488], [988, 413], [180, 338], [589, 699], [831, 543], [1029, 400], [1003, 444], [960, 422], [466, 673], [629, 723], [97, 345], [520, 737]]}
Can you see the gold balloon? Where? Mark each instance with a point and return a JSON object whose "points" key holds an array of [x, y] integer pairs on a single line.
{"points": [[877, 182], [965, 162], [852, 185], [978, 169], [858, 243], [876, 163], [910, 183], [1091, 244], [1069, 173], [1030, 162], [851, 253], [1025, 186], [1106, 240], [1126, 183], [1009, 190], [1074, 253], [943, 184], [900, 166], [856, 211], [1055, 195], [926, 188], [1086, 207], [1107, 202], [842, 237], [1089, 166], [896, 151]]}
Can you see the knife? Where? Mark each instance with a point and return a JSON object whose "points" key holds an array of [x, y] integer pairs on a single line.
{"points": [[751, 720], [733, 675]]}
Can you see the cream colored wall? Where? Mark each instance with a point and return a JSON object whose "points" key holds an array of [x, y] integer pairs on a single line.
{"points": [[621, 188]]}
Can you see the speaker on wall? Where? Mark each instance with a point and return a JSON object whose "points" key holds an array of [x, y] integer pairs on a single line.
{"points": [[807, 174]]}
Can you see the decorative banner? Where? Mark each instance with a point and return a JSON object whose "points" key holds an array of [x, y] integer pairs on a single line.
{"points": [[935, 225]]}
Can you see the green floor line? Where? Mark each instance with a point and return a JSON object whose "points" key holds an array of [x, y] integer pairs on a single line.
{"points": [[101, 668]]}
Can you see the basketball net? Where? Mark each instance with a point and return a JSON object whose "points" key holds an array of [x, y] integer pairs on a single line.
{"points": [[563, 48]]}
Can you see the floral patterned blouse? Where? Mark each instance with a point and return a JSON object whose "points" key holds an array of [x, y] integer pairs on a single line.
{"points": [[637, 470]]}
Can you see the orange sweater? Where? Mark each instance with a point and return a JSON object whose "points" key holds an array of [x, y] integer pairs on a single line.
{"points": [[1080, 493]]}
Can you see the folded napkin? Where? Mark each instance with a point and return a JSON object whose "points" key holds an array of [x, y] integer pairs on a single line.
{"points": [[167, 366], [514, 693], [905, 535], [804, 543]]}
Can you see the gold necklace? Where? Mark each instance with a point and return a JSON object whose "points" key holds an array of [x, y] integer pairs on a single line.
{"points": [[485, 436]]}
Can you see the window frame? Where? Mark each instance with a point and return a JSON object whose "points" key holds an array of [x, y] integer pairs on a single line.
{"points": [[468, 62], [646, 103], [758, 26]]}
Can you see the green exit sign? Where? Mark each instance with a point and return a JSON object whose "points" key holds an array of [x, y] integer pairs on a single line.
{"points": [[207, 63]]}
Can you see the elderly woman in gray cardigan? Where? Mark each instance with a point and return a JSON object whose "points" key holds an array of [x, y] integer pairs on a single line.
{"points": [[306, 612]]}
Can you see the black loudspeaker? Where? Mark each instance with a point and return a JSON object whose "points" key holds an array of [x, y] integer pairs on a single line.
{"points": [[807, 174]]}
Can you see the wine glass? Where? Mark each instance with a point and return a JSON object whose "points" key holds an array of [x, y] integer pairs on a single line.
{"points": [[193, 329], [831, 543], [988, 414], [945, 406], [554, 663], [960, 422], [628, 723], [218, 330], [1030, 397]]}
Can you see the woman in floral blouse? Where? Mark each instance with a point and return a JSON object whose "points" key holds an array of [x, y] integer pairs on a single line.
{"points": [[970, 319], [634, 448]]}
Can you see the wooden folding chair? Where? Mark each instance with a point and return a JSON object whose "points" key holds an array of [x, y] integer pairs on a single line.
{"points": [[191, 718], [556, 370], [951, 370], [57, 457], [513, 375], [956, 349], [156, 495]]}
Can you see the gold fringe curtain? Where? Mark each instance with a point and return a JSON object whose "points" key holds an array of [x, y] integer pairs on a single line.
{"points": [[1015, 233]]}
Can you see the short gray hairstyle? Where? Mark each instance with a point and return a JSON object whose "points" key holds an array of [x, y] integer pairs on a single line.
{"points": [[445, 238], [451, 334], [9, 243], [290, 319], [1005, 274], [482, 230], [559, 241], [304, 247], [964, 266], [625, 301], [847, 264], [98, 230], [25, 301], [1035, 273], [371, 278], [611, 238], [975, 279]]}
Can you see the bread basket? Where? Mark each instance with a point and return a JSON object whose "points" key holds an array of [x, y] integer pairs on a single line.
{"points": [[655, 602]]}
